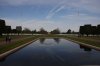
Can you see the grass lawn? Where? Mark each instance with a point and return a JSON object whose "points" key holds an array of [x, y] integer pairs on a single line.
{"points": [[9, 46], [2, 38], [95, 41]]}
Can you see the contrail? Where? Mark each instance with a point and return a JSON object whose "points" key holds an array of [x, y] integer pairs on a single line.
{"points": [[56, 9]]}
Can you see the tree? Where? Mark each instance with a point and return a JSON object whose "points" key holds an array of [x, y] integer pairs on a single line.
{"points": [[14, 31], [7, 29], [26, 30], [55, 31], [82, 30], [34, 31], [19, 29], [2, 26], [43, 31], [93, 30], [87, 29], [98, 29], [69, 31]]}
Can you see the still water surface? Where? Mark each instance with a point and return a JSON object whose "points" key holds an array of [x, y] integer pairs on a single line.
{"points": [[53, 52]]}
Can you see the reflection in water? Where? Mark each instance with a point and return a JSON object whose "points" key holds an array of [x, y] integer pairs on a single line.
{"points": [[41, 53], [85, 48], [42, 40], [57, 40]]}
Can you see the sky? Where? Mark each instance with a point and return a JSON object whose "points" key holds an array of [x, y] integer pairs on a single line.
{"points": [[50, 14]]}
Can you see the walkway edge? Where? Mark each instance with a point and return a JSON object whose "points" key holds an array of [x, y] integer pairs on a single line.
{"points": [[84, 44], [3, 55]]}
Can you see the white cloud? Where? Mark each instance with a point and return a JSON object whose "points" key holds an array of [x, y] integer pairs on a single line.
{"points": [[48, 25], [81, 19], [90, 6], [29, 2], [36, 24], [66, 22]]}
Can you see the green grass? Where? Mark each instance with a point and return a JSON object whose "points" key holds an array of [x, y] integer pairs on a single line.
{"points": [[13, 45], [88, 40], [2, 38]]}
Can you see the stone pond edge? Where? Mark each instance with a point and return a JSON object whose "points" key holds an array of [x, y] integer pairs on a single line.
{"points": [[5, 54]]}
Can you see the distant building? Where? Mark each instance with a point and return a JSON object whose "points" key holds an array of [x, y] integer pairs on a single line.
{"points": [[2, 23], [98, 29], [2, 26]]}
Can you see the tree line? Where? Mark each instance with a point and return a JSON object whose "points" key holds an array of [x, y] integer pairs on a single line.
{"points": [[88, 29], [5, 29]]}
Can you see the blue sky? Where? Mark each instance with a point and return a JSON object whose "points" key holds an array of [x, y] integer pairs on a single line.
{"points": [[50, 14]]}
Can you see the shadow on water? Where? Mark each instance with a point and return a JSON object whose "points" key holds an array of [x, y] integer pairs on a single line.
{"points": [[57, 40], [85, 48], [42, 40]]}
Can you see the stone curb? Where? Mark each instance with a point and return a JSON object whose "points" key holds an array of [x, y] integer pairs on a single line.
{"points": [[4, 55], [84, 44]]}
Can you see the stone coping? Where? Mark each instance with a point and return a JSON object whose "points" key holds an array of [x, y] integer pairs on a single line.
{"points": [[4, 55]]}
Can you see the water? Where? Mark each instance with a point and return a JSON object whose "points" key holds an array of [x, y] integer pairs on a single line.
{"points": [[53, 52]]}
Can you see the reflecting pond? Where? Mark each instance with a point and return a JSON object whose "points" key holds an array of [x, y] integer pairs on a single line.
{"points": [[53, 52]]}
